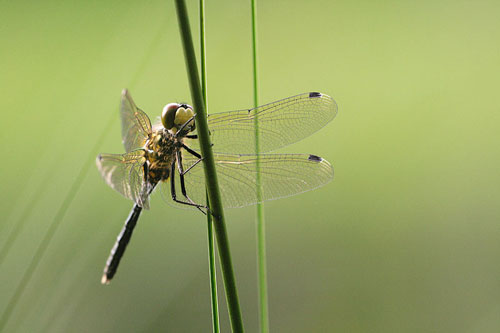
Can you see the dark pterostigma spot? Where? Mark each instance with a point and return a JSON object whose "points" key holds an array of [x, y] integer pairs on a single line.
{"points": [[314, 158], [314, 94]]}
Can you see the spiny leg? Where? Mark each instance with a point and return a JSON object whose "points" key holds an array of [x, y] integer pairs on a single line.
{"points": [[182, 173], [181, 176], [173, 193], [195, 154], [192, 152]]}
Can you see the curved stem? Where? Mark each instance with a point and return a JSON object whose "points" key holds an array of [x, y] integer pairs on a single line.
{"points": [[209, 167]]}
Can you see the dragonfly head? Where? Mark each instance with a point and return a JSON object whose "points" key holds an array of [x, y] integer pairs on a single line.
{"points": [[175, 115]]}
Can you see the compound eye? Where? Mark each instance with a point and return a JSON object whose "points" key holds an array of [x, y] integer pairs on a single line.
{"points": [[184, 113], [168, 115], [191, 112]]}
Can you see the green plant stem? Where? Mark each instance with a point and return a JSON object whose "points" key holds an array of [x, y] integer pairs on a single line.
{"points": [[213, 277], [210, 233], [261, 225], [209, 167], [203, 57]]}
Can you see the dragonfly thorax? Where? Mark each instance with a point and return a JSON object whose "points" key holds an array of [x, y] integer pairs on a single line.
{"points": [[160, 153]]}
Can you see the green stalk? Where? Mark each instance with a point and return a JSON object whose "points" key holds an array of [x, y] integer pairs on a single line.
{"points": [[209, 167], [261, 226], [212, 271], [210, 233]]}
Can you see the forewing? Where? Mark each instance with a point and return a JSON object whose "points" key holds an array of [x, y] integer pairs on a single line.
{"points": [[136, 126], [282, 175], [280, 123], [125, 174]]}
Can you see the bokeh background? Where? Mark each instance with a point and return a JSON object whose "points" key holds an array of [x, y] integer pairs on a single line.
{"points": [[405, 239]]}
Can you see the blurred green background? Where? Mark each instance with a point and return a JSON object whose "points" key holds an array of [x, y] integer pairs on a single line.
{"points": [[405, 239]]}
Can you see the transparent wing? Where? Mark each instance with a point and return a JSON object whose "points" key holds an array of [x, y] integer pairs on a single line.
{"points": [[282, 175], [136, 126], [280, 123], [125, 174]]}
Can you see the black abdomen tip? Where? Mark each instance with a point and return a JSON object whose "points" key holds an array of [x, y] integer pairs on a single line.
{"points": [[314, 158], [314, 94]]}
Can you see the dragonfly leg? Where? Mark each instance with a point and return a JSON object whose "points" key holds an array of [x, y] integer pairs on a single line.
{"points": [[182, 173], [192, 152], [195, 136], [174, 195], [192, 166], [181, 176]]}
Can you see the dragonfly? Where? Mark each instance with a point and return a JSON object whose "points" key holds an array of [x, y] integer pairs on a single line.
{"points": [[166, 155]]}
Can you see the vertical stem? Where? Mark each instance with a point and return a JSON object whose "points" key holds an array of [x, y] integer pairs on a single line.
{"points": [[203, 60], [212, 271], [261, 226], [209, 167], [210, 233]]}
